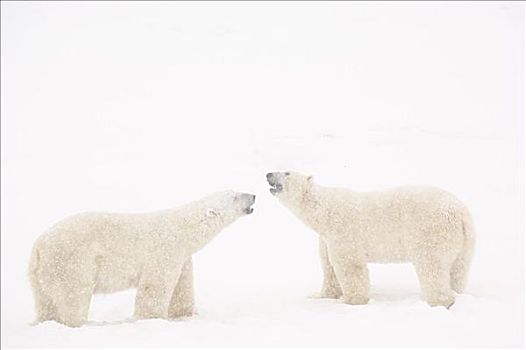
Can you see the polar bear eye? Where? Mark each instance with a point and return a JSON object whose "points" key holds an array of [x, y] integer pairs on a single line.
{"points": [[287, 173]]}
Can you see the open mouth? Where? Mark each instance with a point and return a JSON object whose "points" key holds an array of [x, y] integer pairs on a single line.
{"points": [[276, 188], [275, 185], [249, 210]]}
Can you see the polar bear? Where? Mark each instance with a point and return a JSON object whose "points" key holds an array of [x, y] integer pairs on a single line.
{"points": [[422, 225], [107, 252]]}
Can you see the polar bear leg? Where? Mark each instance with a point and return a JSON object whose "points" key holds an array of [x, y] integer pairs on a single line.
{"points": [[73, 306], [435, 281], [44, 306], [330, 286], [459, 273], [353, 277], [182, 301], [155, 291], [73, 282]]}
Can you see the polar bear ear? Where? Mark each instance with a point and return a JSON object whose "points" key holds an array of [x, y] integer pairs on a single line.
{"points": [[310, 179], [212, 213]]}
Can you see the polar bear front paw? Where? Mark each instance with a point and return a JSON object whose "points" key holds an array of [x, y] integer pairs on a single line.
{"points": [[355, 299], [182, 312], [330, 294], [445, 299]]}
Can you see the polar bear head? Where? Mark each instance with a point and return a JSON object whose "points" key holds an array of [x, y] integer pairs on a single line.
{"points": [[228, 205], [203, 219], [289, 186]]}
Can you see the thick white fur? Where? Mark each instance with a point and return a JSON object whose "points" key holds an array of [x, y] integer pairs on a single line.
{"points": [[422, 225], [108, 252]]}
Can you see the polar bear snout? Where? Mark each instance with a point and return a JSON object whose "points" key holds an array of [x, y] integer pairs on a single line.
{"points": [[274, 180], [248, 200]]}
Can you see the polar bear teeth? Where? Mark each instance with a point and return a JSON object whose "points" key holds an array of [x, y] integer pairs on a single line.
{"points": [[276, 188]]}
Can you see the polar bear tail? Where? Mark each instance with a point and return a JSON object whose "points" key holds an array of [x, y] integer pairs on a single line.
{"points": [[460, 269]]}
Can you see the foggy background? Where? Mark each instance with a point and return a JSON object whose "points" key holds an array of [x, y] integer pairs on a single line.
{"points": [[132, 107]]}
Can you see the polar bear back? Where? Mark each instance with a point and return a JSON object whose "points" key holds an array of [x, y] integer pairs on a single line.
{"points": [[113, 246], [395, 225]]}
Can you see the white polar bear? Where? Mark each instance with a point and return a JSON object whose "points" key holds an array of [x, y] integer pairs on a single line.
{"points": [[108, 252], [423, 225]]}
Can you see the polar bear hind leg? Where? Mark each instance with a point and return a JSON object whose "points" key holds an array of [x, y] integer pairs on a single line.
{"points": [[460, 269], [44, 306], [74, 297], [433, 274], [73, 308], [182, 301], [459, 272]]}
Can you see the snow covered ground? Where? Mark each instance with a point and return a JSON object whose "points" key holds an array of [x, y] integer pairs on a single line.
{"points": [[137, 107]]}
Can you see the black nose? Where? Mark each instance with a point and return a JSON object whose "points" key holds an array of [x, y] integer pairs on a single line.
{"points": [[253, 198], [269, 175]]}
